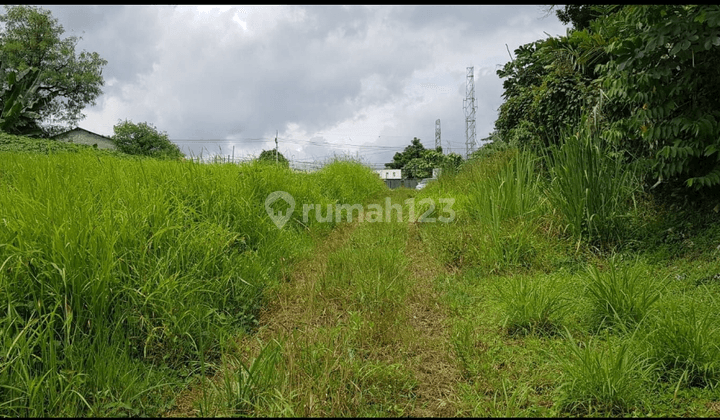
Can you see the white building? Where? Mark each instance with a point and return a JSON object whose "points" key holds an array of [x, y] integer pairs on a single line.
{"points": [[389, 173]]}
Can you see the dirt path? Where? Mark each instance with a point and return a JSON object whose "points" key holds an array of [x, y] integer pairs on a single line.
{"points": [[293, 314], [289, 311], [431, 358]]}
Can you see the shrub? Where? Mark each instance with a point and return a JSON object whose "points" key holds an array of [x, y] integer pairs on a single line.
{"points": [[144, 139]]}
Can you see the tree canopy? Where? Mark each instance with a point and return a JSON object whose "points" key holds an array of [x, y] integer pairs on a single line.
{"points": [[269, 156], [144, 139], [413, 151], [645, 78], [579, 15], [418, 162], [31, 41]]}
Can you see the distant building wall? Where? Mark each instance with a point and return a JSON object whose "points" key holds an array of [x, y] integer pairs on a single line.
{"points": [[410, 183], [397, 183], [389, 173], [81, 136]]}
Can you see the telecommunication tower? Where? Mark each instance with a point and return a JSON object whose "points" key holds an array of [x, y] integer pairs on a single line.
{"points": [[437, 134], [469, 105]]}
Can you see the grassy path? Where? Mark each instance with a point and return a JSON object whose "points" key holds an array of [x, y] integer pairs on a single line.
{"points": [[359, 330], [433, 364]]}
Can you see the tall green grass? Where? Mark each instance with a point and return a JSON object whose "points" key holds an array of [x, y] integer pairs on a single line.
{"points": [[513, 192], [621, 297], [684, 338], [609, 378], [591, 188], [533, 305], [116, 274], [501, 212]]}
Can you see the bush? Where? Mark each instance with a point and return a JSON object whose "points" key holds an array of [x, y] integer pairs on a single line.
{"points": [[144, 139], [273, 156]]}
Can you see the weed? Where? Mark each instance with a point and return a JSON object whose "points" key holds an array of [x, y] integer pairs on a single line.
{"points": [[684, 339], [621, 297], [605, 377], [533, 305], [591, 188]]}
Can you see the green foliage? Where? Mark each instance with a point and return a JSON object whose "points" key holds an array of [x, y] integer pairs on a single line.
{"points": [[144, 139], [621, 297], [514, 192], [413, 151], [273, 156], [663, 68], [684, 340], [608, 378], [66, 82], [119, 277], [591, 187], [579, 15], [491, 148], [418, 162], [19, 104], [533, 305], [643, 75], [548, 87], [21, 144]]}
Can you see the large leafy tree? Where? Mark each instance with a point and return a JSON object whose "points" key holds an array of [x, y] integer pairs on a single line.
{"points": [[579, 15], [552, 85], [644, 77], [546, 90], [144, 139], [664, 68], [413, 151], [31, 38]]}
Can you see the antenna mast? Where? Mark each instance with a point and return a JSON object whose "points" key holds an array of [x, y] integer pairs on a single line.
{"points": [[469, 105]]}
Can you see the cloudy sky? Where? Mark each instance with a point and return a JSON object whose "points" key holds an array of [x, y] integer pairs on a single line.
{"points": [[330, 80]]}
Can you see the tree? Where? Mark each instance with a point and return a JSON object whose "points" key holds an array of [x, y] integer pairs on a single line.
{"points": [[67, 82], [144, 139], [19, 105], [579, 15], [664, 68], [272, 156], [418, 162], [413, 151]]}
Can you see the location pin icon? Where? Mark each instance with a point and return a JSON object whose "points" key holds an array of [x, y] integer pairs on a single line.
{"points": [[279, 218]]}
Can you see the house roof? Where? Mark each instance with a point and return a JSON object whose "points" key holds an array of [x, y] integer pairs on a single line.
{"points": [[80, 129]]}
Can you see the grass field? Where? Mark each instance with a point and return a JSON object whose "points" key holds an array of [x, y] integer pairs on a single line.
{"points": [[143, 287]]}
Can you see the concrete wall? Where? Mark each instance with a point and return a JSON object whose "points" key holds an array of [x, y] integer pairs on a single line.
{"points": [[397, 183], [83, 137]]}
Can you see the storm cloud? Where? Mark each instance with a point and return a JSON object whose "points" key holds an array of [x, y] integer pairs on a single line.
{"points": [[359, 80]]}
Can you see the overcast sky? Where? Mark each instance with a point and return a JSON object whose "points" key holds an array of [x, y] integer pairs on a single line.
{"points": [[359, 80]]}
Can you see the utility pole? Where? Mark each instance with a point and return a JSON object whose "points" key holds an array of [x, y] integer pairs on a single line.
{"points": [[438, 143], [276, 148], [469, 105]]}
